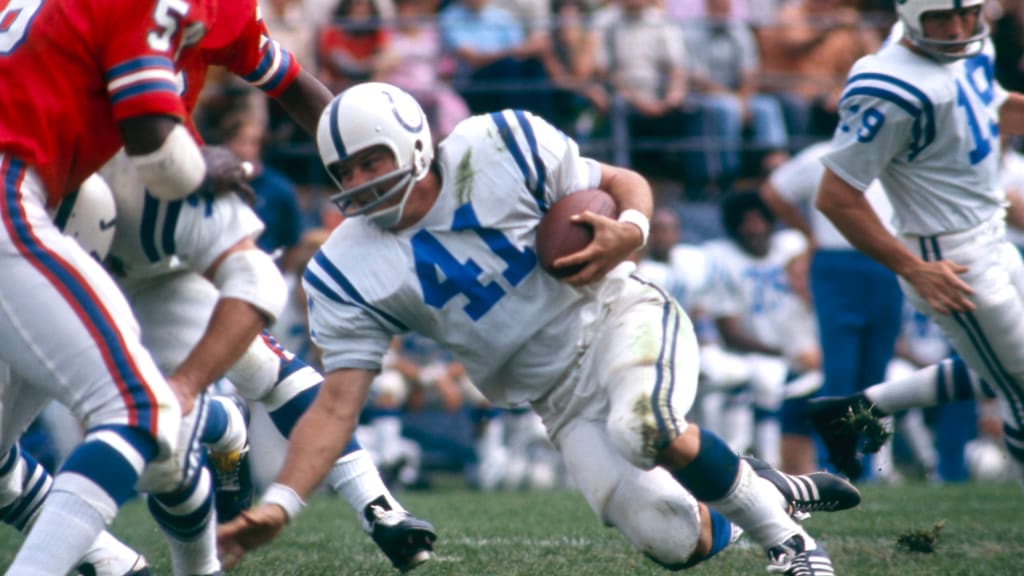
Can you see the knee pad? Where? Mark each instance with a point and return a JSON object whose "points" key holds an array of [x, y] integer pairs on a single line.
{"points": [[270, 374], [656, 515]]}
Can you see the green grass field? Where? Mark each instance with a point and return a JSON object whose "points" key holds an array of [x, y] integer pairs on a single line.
{"points": [[555, 533]]}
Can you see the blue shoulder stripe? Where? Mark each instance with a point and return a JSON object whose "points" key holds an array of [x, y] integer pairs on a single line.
{"points": [[923, 111], [538, 162], [509, 138], [335, 274]]}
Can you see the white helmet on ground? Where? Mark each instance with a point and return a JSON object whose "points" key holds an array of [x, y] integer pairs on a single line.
{"points": [[368, 115], [910, 12], [89, 215]]}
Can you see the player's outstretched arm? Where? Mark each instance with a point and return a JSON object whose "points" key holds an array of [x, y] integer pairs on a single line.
{"points": [[315, 444], [304, 100]]}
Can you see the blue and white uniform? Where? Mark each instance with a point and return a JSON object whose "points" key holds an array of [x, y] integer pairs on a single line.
{"points": [[610, 368], [929, 132], [857, 300]]}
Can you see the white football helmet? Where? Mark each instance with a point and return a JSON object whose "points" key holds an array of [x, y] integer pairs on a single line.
{"points": [[910, 12], [368, 115], [89, 216]]}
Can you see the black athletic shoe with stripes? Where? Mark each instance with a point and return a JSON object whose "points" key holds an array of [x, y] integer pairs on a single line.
{"points": [[808, 493], [799, 556]]}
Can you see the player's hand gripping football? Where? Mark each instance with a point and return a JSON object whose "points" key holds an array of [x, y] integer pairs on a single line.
{"points": [[227, 173], [251, 529], [613, 242]]}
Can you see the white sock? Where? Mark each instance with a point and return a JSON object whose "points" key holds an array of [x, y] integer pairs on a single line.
{"points": [[109, 555], [388, 432], [357, 480], [754, 505], [197, 556], [768, 438], [65, 529], [915, 390]]}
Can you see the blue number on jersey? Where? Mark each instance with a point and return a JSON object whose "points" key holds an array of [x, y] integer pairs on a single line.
{"points": [[15, 18], [461, 277], [766, 285], [978, 68]]}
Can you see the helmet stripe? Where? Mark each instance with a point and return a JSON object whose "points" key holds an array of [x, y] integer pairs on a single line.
{"points": [[339, 146]]}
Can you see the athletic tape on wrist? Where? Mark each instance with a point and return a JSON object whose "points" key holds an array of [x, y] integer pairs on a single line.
{"points": [[284, 497], [638, 219]]}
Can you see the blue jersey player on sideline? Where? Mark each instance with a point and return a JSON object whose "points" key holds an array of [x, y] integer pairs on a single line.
{"points": [[445, 247], [924, 116]]}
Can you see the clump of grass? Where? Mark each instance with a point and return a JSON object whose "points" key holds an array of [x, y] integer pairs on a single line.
{"points": [[923, 541]]}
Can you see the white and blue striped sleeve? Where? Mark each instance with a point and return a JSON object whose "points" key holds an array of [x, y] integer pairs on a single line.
{"points": [[350, 332], [881, 117]]}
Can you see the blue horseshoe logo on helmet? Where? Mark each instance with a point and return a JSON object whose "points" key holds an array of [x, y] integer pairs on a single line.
{"points": [[415, 129]]}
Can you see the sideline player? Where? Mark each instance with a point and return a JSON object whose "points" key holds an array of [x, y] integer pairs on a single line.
{"points": [[445, 249], [924, 115], [91, 76]]}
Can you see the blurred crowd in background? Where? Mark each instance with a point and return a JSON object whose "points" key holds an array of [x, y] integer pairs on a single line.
{"points": [[704, 97]]}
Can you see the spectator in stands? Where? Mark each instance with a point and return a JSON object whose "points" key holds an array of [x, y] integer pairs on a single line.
{"points": [[806, 54], [418, 66], [643, 58], [276, 201], [726, 76], [353, 46], [289, 24], [581, 101], [498, 64]]}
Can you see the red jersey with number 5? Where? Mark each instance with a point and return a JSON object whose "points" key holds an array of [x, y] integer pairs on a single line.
{"points": [[73, 68]]}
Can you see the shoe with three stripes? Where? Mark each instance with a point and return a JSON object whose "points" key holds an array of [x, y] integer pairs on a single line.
{"points": [[806, 493], [799, 556]]}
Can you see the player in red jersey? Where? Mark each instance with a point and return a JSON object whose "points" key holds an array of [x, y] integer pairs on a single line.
{"points": [[90, 75]]}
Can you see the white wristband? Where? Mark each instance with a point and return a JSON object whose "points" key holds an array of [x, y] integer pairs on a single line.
{"points": [[638, 219], [284, 497]]}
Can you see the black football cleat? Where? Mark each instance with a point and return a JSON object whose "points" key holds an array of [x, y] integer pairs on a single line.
{"points": [[806, 493], [799, 556], [844, 424], [406, 540]]}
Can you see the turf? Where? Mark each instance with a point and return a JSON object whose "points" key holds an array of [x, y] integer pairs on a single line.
{"points": [[555, 533]]}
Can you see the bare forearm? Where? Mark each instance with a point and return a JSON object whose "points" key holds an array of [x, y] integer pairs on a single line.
{"points": [[847, 208], [231, 329], [324, 430], [304, 100]]}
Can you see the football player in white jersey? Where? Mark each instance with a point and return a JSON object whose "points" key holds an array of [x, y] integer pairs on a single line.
{"points": [[924, 116], [161, 256], [445, 248], [752, 289]]}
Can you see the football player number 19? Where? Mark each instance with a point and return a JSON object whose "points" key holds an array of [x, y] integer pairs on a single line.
{"points": [[15, 18]]}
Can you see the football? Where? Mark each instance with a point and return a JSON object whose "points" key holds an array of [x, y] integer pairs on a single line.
{"points": [[558, 236]]}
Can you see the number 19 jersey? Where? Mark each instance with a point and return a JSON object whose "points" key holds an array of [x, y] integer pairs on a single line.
{"points": [[929, 132]]}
